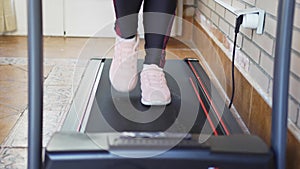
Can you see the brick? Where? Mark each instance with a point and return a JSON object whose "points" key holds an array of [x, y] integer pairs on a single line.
{"points": [[297, 16], [270, 26], [224, 27], [230, 18], [239, 37], [294, 89], [214, 18], [204, 9], [295, 64], [259, 77], [267, 63], [238, 4], [265, 42], [220, 10], [296, 40], [188, 2], [269, 5], [246, 32], [242, 60], [298, 121], [205, 1], [227, 1], [190, 11], [293, 110], [250, 49], [212, 4], [251, 2]]}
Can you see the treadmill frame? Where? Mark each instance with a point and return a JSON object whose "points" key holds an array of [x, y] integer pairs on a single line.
{"points": [[280, 89], [73, 148]]}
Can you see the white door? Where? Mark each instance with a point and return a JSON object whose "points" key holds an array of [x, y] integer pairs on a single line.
{"points": [[70, 17], [52, 17], [89, 18], [96, 18], [84, 18]]}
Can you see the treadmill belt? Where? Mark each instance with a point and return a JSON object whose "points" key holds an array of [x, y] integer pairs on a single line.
{"points": [[113, 111], [149, 142]]}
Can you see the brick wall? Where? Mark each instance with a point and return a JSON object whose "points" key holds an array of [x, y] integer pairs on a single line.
{"points": [[257, 51], [189, 9]]}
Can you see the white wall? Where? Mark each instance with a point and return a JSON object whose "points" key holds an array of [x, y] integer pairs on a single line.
{"points": [[75, 18], [52, 17], [89, 17]]}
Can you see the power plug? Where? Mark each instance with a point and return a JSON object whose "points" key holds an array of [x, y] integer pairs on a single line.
{"points": [[253, 18], [250, 21]]}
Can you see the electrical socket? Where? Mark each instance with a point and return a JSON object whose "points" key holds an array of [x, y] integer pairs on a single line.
{"points": [[250, 14]]}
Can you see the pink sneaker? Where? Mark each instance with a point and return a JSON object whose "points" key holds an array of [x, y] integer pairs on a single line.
{"points": [[154, 86], [123, 69]]}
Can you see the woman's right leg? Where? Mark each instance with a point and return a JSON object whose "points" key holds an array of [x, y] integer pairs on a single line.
{"points": [[123, 69], [127, 17]]}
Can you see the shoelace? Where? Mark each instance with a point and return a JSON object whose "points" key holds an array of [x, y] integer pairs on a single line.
{"points": [[127, 49], [155, 78]]}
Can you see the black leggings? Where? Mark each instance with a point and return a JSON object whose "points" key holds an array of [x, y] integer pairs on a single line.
{"points": [[158, 17]]}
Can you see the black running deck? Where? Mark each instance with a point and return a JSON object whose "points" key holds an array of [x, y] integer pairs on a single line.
{"points": [[104, 128], [191, 106]]}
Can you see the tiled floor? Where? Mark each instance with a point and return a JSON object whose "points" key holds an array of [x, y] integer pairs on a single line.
{"points": [[62, 70]]}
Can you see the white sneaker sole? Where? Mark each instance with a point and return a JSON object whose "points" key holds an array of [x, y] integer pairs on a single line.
{"points": [[155, 103]]}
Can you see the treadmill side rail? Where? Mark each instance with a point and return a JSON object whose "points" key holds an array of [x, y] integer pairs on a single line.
{"points": [[78, 109], [75, 150]]}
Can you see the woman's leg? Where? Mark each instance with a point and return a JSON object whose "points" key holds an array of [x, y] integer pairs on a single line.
{"points": [[123, 69], [127, 17], [158, 20]]}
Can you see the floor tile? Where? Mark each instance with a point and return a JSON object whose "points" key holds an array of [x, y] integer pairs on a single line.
{"points": [[47, 69], [12, 73], [13, 94], [57, 97], [13, 158], [6, 124], [51, 123], [181, 54], [7, 60], [11, 46], [7, 111]]}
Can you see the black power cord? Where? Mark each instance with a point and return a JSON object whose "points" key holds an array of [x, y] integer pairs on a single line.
{"points": [[238, 22]]}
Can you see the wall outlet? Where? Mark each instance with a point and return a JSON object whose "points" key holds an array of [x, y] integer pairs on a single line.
{"points": [[253, 18]]}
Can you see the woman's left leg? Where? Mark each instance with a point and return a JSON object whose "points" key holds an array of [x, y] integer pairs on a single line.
{"points": [[158, 19]]}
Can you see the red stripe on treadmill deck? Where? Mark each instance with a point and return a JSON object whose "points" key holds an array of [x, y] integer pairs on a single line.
{"points": [[210, 100], [202, 105]]}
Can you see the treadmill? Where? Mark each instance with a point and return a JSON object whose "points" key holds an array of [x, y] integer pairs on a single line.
{"points": [[107, 140], [108, 129]]}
